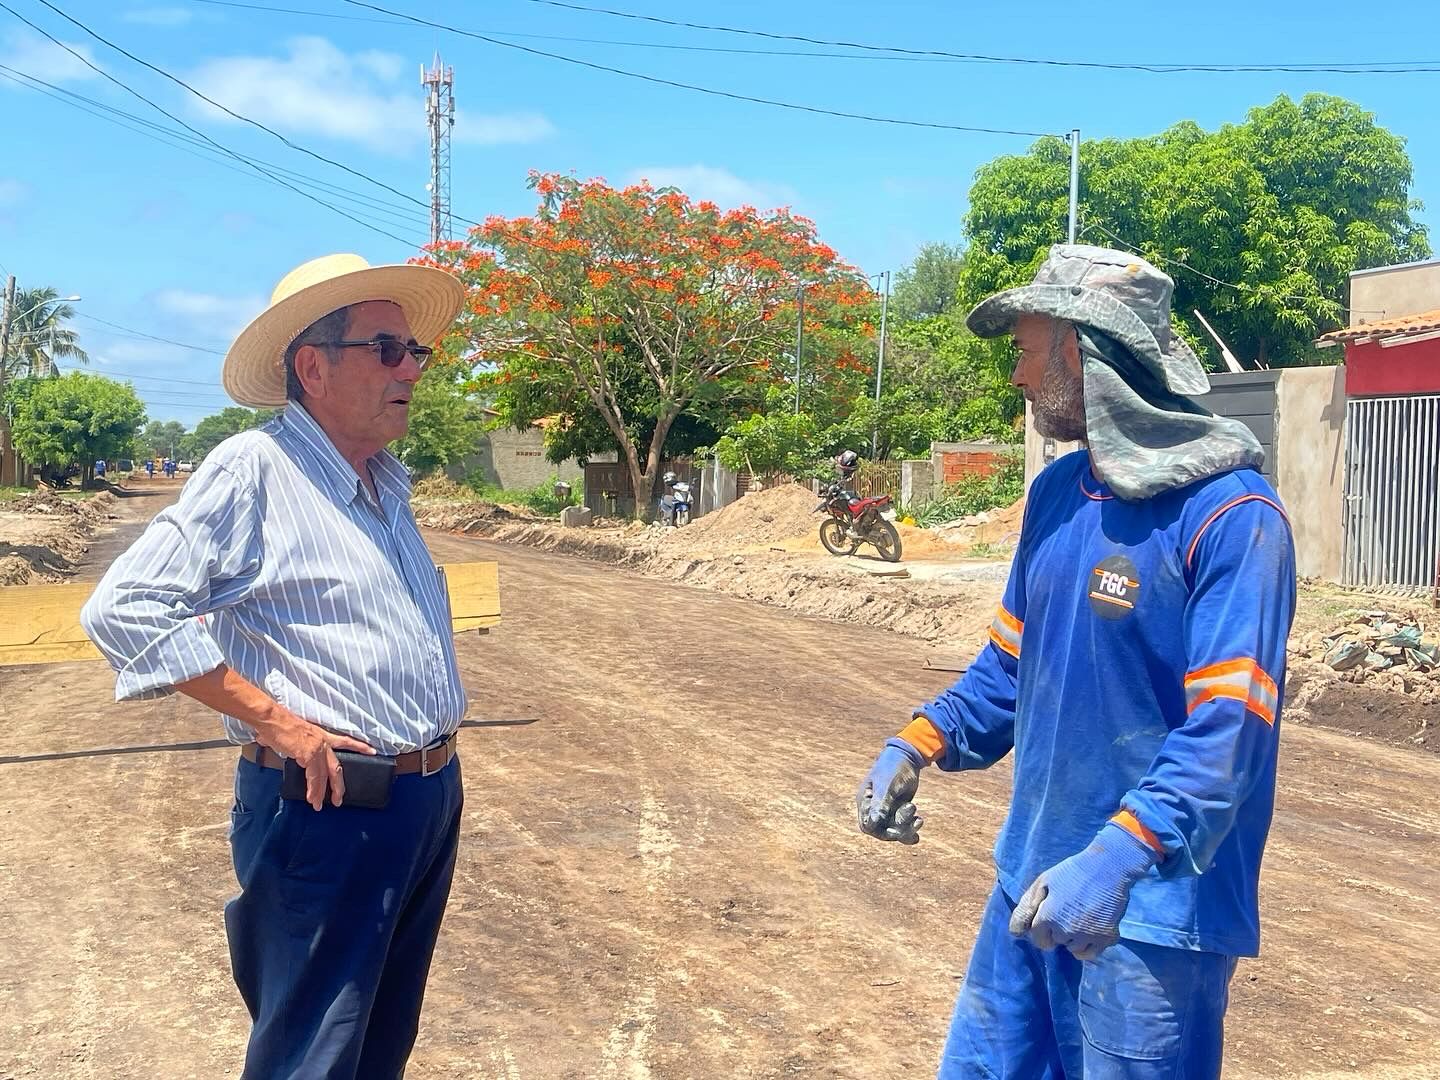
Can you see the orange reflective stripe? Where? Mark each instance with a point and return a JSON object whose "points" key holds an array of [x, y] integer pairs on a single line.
{"points": [[1004, 644], [924, 736], [1231, 667], [1256, 704], [1009, 620], [1133, 825], [1190, 554]]}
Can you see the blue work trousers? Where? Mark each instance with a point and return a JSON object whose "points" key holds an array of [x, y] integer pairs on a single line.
{"points": [[1139, 1012], [332, 932]]}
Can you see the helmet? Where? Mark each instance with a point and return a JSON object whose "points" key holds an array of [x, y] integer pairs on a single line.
{"points": [[848, 461], [668, 478]]}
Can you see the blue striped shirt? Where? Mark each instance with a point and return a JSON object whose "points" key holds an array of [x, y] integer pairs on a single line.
{"points": [[277, 561]]}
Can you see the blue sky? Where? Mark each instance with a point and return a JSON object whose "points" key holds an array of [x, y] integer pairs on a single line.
{"points": [[170, 242]]}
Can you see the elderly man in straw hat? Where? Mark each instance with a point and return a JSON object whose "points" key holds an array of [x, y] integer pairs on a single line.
{"points": [[290, 591], [1135, 668]]}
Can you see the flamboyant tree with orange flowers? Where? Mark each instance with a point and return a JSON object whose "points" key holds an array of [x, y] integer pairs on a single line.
{"points": [[633, 306]]}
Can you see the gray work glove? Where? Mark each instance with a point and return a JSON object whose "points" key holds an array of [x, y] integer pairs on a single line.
{"points": [[884, 802]]}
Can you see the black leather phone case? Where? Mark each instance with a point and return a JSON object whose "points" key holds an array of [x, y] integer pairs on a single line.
{"points": [[367, 779]]}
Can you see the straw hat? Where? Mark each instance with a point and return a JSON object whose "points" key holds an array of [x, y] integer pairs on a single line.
{"points": [[254, 371]]}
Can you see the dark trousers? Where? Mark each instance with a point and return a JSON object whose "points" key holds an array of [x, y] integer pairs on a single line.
{"points": [[1139, 1012], [333, 930]]}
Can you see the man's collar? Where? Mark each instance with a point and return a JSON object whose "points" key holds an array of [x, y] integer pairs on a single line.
{"points": [[338, 473]]}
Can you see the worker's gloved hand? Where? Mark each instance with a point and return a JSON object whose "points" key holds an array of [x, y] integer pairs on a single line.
{"points": [[884, 801], [1078, 903]]}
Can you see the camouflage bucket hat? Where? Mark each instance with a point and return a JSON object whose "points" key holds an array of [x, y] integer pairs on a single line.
{"points": [[1115, 292]]}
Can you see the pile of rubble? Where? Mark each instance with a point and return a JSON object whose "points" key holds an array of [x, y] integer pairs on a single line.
{"points": [[1380, 649]]}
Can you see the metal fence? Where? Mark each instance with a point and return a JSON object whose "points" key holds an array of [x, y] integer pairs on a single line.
{"points": [[1392, 477], [878, 478]]}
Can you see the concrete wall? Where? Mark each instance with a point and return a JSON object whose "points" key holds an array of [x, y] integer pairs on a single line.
{"points": [[1390, 292], [1310, 465], [515, 460]]}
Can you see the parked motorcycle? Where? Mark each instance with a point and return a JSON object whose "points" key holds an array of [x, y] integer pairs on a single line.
{"points": [[854, 521]]}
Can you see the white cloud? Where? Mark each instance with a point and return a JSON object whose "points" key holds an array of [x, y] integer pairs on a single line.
{"points": [[717, 185], [358, 97], [35, 55], [160, 16], [12, 192], [212, 316]]}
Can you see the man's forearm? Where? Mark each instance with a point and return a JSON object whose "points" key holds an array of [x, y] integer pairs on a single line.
{"points": [[230, 693]]}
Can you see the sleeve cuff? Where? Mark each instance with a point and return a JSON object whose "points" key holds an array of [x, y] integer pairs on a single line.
{"points": [[924, 736], [186, 652], [1136, 828]]}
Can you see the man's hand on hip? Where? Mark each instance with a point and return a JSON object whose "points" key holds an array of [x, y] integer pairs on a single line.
{"points": [[1079, 903], [884, 801], [313, 748], [281, 730]]}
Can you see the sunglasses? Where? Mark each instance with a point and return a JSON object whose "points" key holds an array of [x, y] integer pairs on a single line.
{"points": [[392, 350]]}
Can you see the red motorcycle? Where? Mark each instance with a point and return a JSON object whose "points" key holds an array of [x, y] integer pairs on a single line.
{"points": [[854, 521]]}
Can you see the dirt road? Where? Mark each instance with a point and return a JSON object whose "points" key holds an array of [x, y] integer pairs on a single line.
{"points": [[660, 875]]}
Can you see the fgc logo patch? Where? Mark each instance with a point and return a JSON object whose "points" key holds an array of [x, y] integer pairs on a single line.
{"points": [[1114, 588]]}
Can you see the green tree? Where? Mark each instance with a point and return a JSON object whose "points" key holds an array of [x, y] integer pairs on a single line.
{"points": [[76, 417], [1268, 217], [163, 438], [212, 431], [445, 422], [39, 336], [927, 286], [640, 306]]}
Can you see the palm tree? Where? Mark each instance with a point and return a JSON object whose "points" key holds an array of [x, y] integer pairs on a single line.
{"points": [[38, 336]]}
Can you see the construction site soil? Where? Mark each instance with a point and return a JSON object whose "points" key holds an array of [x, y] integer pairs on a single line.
{"points": [[765, 547], [659, 875], [44, 534]]}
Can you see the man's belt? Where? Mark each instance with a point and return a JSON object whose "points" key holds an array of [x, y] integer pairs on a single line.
{"points": [[426, 762]]}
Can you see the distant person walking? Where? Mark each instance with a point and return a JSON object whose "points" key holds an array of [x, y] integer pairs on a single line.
{"points": [[290, 591]]}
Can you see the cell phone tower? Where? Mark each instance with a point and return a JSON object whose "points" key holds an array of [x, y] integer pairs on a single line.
{"points": [[439, 83]]}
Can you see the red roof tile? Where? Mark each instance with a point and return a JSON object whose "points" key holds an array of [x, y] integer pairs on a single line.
{"points": [[1425, 322]]}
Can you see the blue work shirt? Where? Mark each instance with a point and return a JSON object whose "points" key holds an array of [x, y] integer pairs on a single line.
{"points": [[1137, 663], [280, 563]]}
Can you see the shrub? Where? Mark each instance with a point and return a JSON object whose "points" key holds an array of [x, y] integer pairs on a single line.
{"points": [[974, 494], [541, 498]]}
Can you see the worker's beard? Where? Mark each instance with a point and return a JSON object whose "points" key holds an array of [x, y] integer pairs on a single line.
{"points": [[1058, 403]]}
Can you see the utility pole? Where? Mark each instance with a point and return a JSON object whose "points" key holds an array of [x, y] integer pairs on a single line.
{"points": [[880, 367], [1074, 181], [439, 83], [799, 339]]}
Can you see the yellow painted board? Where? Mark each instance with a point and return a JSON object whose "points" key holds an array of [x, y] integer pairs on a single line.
{"points": [[40, 624]]}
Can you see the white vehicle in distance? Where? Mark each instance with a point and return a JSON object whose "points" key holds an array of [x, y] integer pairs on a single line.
{"points": [[184, 466]]}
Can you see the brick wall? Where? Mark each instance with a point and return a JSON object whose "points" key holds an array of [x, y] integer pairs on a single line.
{"points": [[955, 461]]}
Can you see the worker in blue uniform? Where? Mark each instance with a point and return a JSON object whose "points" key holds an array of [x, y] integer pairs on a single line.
{"points": [[1135, 669]]}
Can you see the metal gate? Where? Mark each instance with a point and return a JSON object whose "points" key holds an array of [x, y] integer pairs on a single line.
{"points": [[1392, 477]]}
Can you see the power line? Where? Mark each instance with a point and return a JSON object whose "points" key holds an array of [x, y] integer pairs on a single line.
{"points": [[814, 109], [150, 337], [1377, 67], [1198, 273], [231, 112], [135, 93], [401, 216], [660, 45]]}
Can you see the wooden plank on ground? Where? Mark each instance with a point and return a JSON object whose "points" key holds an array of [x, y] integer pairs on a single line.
{"points": [[40, 624]]}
